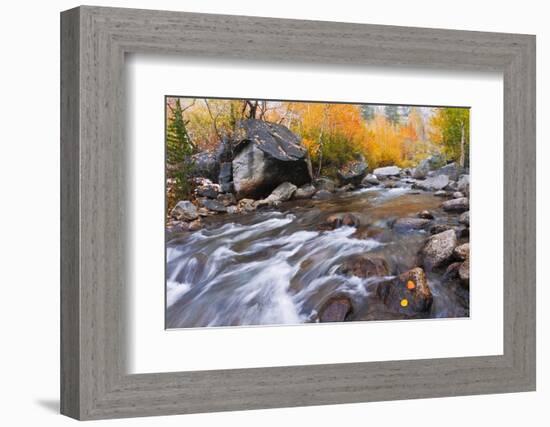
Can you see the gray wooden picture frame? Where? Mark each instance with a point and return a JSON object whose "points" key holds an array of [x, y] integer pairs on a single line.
{"points": [[94, 41]]}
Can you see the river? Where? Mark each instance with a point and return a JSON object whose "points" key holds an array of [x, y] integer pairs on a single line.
{"points": [[278, 267]]}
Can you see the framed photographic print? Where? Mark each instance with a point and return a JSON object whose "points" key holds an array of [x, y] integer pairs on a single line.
{"points": [[345, 212]]}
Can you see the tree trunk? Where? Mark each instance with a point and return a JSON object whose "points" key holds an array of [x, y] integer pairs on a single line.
{"points": [[462, 144]]}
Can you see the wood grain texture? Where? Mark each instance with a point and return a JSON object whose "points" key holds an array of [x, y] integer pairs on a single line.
{"points": [[94, 238]]}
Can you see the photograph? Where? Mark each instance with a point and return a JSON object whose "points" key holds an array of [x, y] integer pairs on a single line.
{"points": [[284, 212]]}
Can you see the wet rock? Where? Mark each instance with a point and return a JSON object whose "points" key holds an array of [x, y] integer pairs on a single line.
{"points": [[195, 225], [345, 188], [462, 252], [335, 309], [233, 209], [339, 220], [434, 183], [440, 228], [407, 294], [464, 184], [227, 199], [389, 184], [266, 155], [456, 205], [205, 165], [369, 180], [465, 218], [213, 205], [362, 265], [353, 172], [184, 210], [322, 195], [304, 192], [175, 227], [464, 271], [325, 184], [409, 224], [458, 195], [425, 214], [441, 193], [386, 172], [247, 205], [439, 249], [452, 270], [204, 212]]}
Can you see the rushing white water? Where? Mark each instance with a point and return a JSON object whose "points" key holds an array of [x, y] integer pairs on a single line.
{"points": [[278, 267]]}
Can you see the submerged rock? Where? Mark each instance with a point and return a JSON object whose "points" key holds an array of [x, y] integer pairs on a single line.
{"points": [[362, 265], [456, 205], [266, 155], [339, 220], [407, 294], [335, 309], [439, 249], [185, 210], [425, 214], [409, 224], [322, 195]]}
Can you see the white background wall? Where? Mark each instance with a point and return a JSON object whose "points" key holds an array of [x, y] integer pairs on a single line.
{"points": [[29, 224]]}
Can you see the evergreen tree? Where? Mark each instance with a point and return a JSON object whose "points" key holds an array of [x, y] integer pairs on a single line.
{"points": [[179, 149]]}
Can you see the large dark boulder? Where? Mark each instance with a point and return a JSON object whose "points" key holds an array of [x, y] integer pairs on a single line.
{"points": [[266, 155], [452, 170]]}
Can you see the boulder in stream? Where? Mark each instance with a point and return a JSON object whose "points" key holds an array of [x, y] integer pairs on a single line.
{"points": [[456, 205], [434, 183], [304, 192], [408, 293], [386, 172], [410, 224], [370, 180], [363, 265], [326, 184], [266, 155], [439, 249], [339, 220], [335, 309]]}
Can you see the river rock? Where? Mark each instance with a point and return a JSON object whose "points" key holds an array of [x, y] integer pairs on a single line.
{"points": [[464, 184], [233, 209], [464, 218], [387, 171], [441, 193], [362, 265], [339, 220], [266, 155], [456, 205], [175, 227], [184, 210], [227, 199], [195, 225], [335, 309], [425, 214], [325, 184], [464, 271], [283, 192], [434, 183], [206, 165], [247, 205], [304, 192], [409, 224], [212, 205], [369, 180], [439, 249], [322, 195], [407, 294], [353, 172], [452, 171], [458, 195], [462, 252], [440, 228]]}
